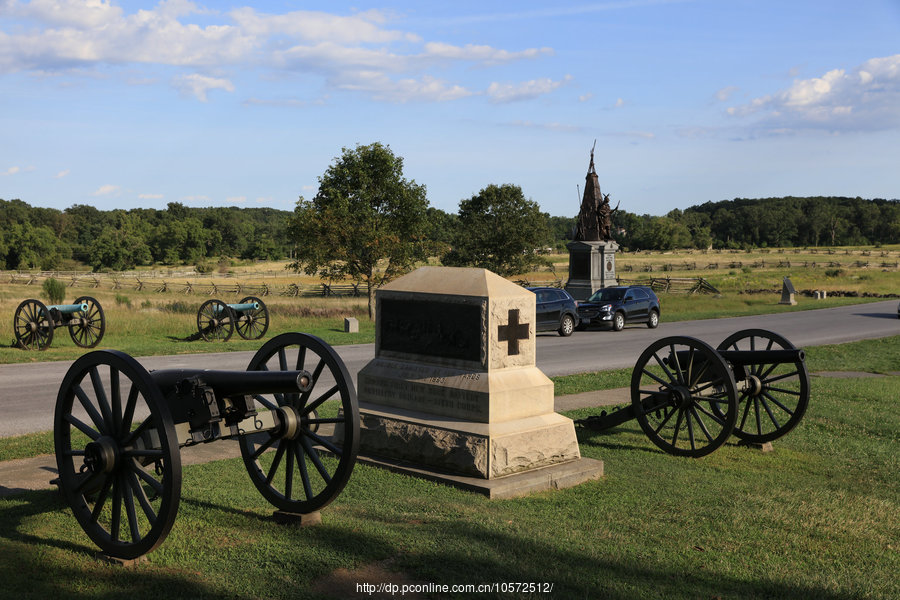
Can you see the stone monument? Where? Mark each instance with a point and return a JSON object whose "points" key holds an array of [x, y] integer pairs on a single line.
{"points": [[787, 292], [453, 386], [592, 252]]}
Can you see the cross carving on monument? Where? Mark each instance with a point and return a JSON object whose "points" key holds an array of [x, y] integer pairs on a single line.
{"points": [[512, 332]]}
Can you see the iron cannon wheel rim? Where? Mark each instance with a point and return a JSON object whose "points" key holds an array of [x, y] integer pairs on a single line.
{"points": [[688, 426], [33, 325], [211, 325], [127, 509], [89, 334], [256, 326], [778, 407], [299, 474]]}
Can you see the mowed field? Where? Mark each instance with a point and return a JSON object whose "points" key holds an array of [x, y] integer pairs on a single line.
{"points": [[155, 312]]}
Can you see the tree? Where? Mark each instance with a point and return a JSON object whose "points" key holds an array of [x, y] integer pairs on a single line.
{"points": [[499, 229], [365, 222]]}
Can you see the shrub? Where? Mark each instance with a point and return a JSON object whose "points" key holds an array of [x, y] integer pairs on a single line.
{"points": [[54, 290], [123, 300], [834, 272], [179, 307], [146, 304]]}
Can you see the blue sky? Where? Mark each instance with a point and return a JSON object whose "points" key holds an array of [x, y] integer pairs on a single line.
{"points": [[122, 104]]}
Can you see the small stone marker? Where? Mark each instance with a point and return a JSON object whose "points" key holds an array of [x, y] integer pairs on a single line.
{"points": [[351, 325], [454, 386], [787, 292], [821, 294]]}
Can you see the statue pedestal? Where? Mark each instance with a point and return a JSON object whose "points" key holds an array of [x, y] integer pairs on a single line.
{"points": [[592, 266]]}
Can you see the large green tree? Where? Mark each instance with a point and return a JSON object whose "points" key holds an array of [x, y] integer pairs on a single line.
{"points": [[366, 221], [501, 230]]}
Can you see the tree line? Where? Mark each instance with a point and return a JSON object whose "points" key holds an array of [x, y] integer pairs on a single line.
{"points": [[118, 240], [369, 223]]}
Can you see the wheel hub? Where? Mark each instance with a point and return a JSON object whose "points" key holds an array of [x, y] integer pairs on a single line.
{"points": [[290, 422], [102, 455], [680, 397], [755, 386]]}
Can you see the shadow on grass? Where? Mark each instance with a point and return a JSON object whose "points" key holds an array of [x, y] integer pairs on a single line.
{"points": [[454, 552]]}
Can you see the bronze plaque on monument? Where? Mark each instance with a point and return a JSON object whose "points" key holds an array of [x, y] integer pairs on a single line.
{"points": [[431, 328]]}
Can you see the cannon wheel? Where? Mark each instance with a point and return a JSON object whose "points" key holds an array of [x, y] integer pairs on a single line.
{"points": [[687, 406], [252, 324], [771, 406], [117, 454], [33, 326], [93, 324], [214, 321], [303, 465]]}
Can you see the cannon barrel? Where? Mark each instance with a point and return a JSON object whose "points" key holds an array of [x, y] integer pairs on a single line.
{"points": [[244, 306], [747, 357], [69, 308], [235, 383]]}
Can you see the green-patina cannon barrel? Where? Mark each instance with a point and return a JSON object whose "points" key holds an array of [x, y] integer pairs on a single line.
{"points": [[69, 308], [244, 307]]}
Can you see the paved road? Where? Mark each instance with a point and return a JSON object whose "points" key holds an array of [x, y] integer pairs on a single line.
{"points": [[28, 391]]}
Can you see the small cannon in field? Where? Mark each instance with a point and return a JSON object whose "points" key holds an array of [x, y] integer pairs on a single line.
{"points": [[34, 322], [118, 430], [217, 320], [689, 398]]}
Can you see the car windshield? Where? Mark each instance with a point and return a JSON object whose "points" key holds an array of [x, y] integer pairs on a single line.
{"points": [[607, 295]]}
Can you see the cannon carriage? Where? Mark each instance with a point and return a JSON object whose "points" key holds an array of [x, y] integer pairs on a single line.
{"points": [[34, 323], [118, 431], [217, 320], [689, 398]]}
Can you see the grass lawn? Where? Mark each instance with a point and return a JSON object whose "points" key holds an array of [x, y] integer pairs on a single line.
{"points": [[817, 518]]}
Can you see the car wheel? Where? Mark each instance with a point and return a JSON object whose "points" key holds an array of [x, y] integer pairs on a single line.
{"points": [[618, 322], [653, 321], [566, 326]]}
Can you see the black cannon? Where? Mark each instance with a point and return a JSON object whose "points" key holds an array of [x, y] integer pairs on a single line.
{"points": [[34, 322], [217, 320], [118, 430], [689, 398]]}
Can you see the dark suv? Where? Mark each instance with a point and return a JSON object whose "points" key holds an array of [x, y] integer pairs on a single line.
{"points": [[555, 309], [615, 306]]}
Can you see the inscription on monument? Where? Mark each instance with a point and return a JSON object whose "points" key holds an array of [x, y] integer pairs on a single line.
{"points": [[431, 328]]}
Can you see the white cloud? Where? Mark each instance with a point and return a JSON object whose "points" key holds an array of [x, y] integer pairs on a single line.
{"points": [[527, 90], [725, 93], [548, 126], [107, 190], [310, 26], [198, 85], [585, 97], [619, 103], [150, 196], [61, 174], [359, 52], [17, 170], [381, 87], [864, 98], [236, 199]]}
